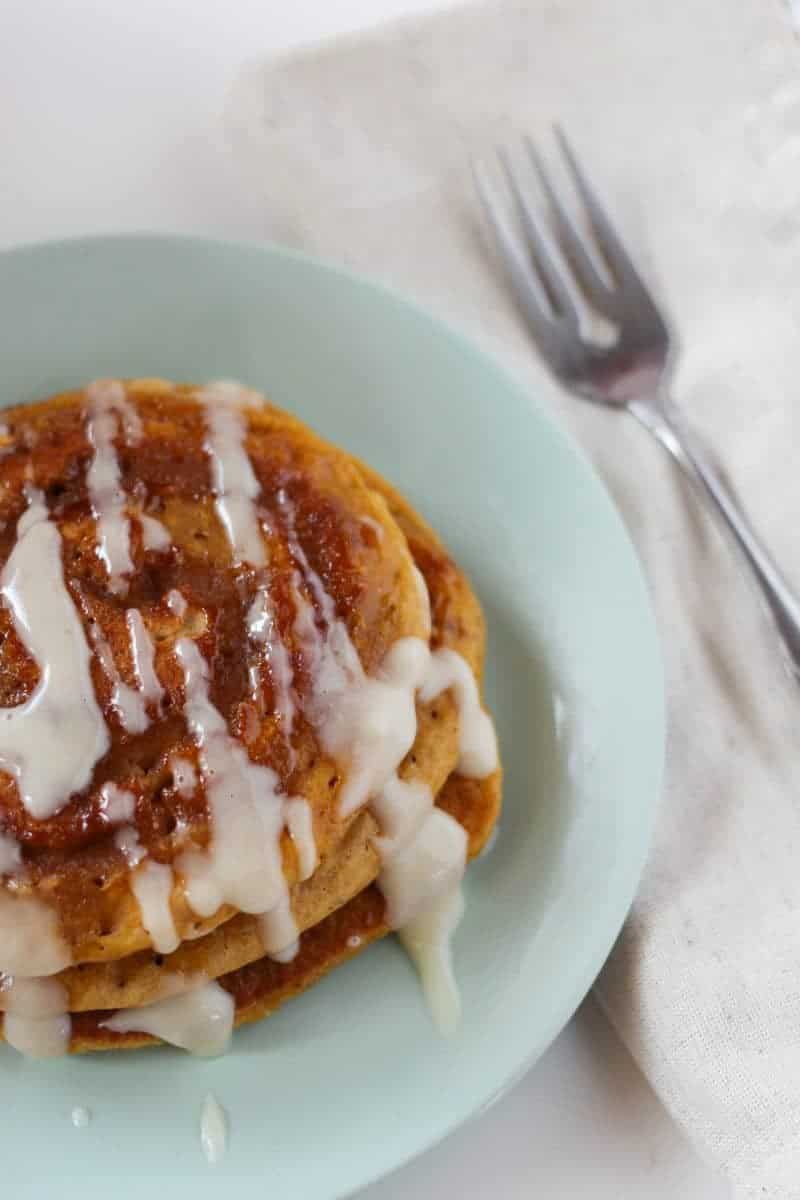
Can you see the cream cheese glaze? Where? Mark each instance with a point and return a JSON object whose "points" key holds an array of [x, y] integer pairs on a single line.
{"points": [[300, 824], [262, 631], [62, 711], [143, 652], [109, 408], [232, 475], [427, 940], [118, 803], [31, 942], [243, 864], [36, 1021], [152, 884], [154, 535], [199, 1020], [128, 702], [213, 1130]]}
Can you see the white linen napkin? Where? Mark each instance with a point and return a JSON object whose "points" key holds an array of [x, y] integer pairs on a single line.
{"points": [[688, 119]]}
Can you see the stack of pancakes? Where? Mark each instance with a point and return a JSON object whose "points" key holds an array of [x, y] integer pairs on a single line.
{"points": [[340, 548]]}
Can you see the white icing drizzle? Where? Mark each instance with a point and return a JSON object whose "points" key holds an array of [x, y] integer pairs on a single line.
{"points": [[107, 402], [331, 658], [300, 824], [80, 1116], [368, 723], [424, 853], [262, 629], [259, 617], [36, 1021], [116, 803], [10, 855], [477, 739], [213, 1130], [424, 597], [184, 776], [151, 884], [414, 877], [199, 1020], [34, 998], [30, 937], [127, 701], [154, 535], [243, 863], [371, 723], [50, 743], [176, 602], [143, 652], [426, 939], [127, 842], [232, 475], [116, 400], [374, 525], [279, 931], [401, 809], [305, 627], [323, 599], [48, 1038]]}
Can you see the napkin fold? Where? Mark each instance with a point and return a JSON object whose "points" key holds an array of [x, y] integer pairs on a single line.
{"points": [[688, 119]]}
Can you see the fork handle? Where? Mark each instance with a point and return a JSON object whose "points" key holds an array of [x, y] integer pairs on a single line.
{"points": [[781, 601]]}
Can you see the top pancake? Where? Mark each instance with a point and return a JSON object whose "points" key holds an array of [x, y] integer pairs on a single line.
{"points": [[311, 497], [457, 623]]}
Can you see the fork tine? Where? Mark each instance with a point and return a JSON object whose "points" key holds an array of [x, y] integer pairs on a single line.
{"points": [[597, 291], [552, 282], [543, 328], [610, 243]]}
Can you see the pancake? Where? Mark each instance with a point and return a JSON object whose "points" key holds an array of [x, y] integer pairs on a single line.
{"points": [[236, 667], [456, 622], [263, 986], [344, 535]]}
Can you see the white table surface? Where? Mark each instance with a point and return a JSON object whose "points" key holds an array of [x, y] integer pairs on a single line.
{"points": [[109, 120]]}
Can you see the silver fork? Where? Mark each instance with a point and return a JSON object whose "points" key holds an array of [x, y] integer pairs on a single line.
{"points": [[631, 374]]}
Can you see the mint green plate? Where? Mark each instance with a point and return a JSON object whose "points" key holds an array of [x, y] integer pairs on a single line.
{"points": [[351, 1080]]}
